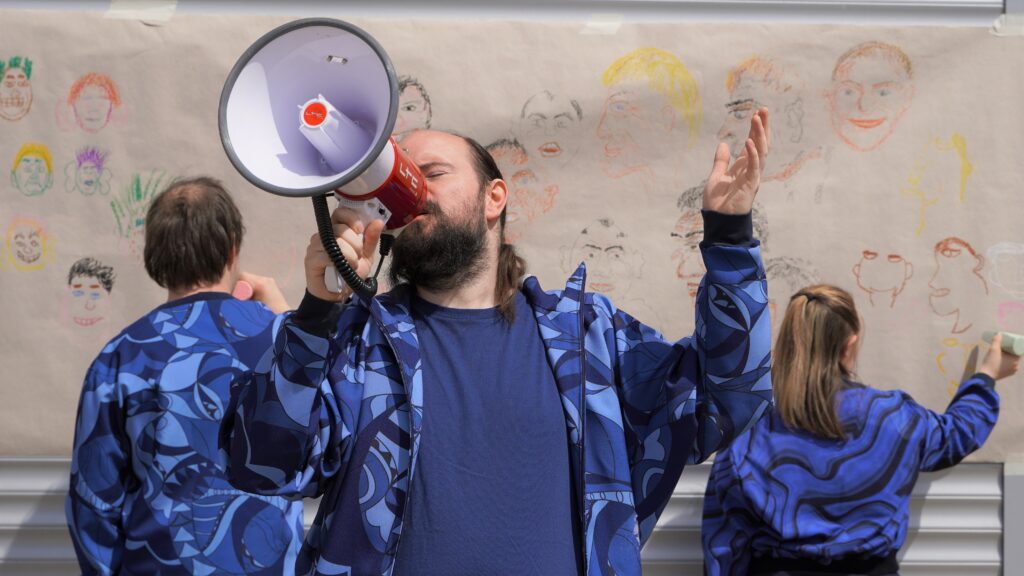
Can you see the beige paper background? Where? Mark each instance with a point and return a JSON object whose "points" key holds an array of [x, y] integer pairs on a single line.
{"points": [[478, 76]]}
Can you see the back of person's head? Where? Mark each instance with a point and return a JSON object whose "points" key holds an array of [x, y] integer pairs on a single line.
{"points": [[808, 369], [193, 232]]}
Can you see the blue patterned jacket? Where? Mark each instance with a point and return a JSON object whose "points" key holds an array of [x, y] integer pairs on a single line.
{"points": [[779, 493], [147, 495], [342, 417]]}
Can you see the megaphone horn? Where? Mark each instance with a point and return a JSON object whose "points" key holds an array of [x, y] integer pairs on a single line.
{"points": [[308, 110]]}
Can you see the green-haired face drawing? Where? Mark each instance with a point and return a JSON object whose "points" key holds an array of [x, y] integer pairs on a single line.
{"points": [[15, 87], [130, 208]]}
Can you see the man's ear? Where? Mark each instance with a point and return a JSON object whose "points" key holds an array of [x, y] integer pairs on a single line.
{"points": [[495, 199]]}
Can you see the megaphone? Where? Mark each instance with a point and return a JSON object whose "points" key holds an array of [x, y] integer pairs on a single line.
{"points": [[308, 110]]}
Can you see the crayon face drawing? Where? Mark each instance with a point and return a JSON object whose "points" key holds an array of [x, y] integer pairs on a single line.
{"points": [[652, 101], [89, 286], [1006, 267], [761, 81], [549, 129], [688, 233], [15, 87], [88, 173], [872, 87], [612, 264], [92, 102], [957, 281], [130, 208], [32, 170], [882, 277], [414, 110], [29, 247], [528, 197]]}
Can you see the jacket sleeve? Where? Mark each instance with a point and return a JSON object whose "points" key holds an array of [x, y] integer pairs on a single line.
{"points": [[714, 384], [283, 433], [99, 472], [725, 530], [681, 402], [963, 428]]}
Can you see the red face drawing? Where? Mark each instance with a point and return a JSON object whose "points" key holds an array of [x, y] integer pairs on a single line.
{"points": [[882, 275], [632, 114], [687, 236], [957, 281], [93, 108], [528, 196], [871, 90]]}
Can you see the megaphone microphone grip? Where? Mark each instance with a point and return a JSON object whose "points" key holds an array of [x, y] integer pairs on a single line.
{"points": [[366, 288]]}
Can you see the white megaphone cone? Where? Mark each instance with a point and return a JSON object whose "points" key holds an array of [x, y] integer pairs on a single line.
{"points": [[308, 110]]}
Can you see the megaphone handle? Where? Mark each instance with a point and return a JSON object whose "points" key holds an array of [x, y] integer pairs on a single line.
{"points": [[365, 288]]}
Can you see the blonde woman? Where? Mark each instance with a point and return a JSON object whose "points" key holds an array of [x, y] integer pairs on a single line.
{"points": [[822, 485]]}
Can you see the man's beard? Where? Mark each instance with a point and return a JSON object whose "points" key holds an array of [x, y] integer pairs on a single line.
{"points": [[447, 256]]}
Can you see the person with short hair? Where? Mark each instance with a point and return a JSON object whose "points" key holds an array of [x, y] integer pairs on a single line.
{"points": [[822, 485], [148, 494]]}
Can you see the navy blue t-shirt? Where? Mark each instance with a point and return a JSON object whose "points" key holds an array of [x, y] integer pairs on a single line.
{"points": [[492, 490]]}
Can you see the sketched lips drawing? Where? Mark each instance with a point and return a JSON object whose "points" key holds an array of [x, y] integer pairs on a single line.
{"points": [[602, 286], [611, 151], [867, 123], [549, 149], [87, 321]]}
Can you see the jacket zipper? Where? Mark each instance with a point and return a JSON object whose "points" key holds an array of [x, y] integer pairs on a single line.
{"points": [[583, 421]]}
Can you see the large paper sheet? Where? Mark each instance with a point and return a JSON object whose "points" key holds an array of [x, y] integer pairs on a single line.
{"points": [[894, 173]]}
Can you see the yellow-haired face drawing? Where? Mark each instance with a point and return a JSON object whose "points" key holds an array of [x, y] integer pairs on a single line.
{"points": [[32, 170], [28, 245], [652, 97]]}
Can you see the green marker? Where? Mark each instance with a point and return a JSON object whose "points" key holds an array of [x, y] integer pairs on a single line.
{"points": [[1012, 343]]}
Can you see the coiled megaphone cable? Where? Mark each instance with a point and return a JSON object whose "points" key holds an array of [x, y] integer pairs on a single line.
{"points": [[365, 288]]}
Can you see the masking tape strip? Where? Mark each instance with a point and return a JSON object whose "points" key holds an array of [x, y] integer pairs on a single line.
{"points": [[602, 24], [145, 10], [1009, 25]]}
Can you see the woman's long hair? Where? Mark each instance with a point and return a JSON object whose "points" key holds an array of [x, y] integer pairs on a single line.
{"points": [[807, 370]]}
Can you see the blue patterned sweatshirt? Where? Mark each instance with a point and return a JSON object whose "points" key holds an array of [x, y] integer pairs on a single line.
{"points": [[785, 494], [147, 495], [341, 416]]}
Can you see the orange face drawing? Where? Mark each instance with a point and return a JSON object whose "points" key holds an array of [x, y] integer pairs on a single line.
{"points": [[884, 275], [957, 281], [872, 87], [528, 197]]}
